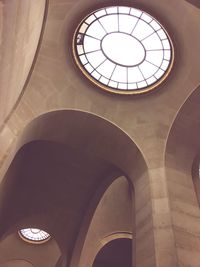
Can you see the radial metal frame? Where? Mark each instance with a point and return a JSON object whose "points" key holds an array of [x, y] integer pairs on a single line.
{"points": [[78, 39], [31, 241]]}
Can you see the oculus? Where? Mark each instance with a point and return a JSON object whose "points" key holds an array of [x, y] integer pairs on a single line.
{"points": [[123, 50], [34, 235]]}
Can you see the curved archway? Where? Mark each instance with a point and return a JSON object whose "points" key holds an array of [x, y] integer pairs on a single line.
{"points": [[183, 145], [194, 2], [113, 218], [116, 253], [20, 43], [71, 151], [17, 263]]}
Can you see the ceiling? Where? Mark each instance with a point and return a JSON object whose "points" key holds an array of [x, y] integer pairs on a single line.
{"points": [[38, 76]]}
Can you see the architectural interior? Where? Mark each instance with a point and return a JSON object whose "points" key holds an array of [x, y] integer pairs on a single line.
{"points": [[99, 133]]}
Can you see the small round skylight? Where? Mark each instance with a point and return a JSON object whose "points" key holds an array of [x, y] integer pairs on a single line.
{"points": [[34, 235], [123, 50]]}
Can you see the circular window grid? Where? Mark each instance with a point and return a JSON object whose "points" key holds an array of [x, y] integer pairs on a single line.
{"points": [[98, 43], [34, 235]]}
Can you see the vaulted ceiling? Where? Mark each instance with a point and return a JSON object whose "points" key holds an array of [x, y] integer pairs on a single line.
{"points": [[42, 89]]}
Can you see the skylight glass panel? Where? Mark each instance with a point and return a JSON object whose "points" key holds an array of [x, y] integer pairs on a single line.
{"points": [[142, 84], [90, 19], [110, 23], [34, 235], [153, 42], [96, 30], [106, 69], [142, 30], [134, 75], [124, 9], [91, 44], [96, 58], [123, 50], [155, 25], [112, 10], [112, 84], [155, 57], [136, 12], [127, 23], [122, 86], [120, 74], [146, 17], [83, 28], [148, 69]]}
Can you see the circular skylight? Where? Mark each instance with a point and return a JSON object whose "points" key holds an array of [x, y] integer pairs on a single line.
{"points": [[123, 50], [34, 235]]}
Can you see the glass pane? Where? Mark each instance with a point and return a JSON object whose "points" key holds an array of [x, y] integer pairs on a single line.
{"points": [[146, 17], [106, 69], [155, 25], [136, 12], [152, 42], [147, 69], [91, 44], [100, 13], [142, 30], [113, 84], [159, 74], [120, 74], [134, 75], [155, 57], [124, 9], [96, 58], [122, 86], [111, 10], [110, 23], [127, 23], [96, 30]]}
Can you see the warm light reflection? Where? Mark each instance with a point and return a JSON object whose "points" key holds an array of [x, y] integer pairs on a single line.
{"points": [[123, 48]]}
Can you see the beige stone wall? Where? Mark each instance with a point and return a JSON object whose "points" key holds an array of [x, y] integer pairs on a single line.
{"points": [[20, 27], [182, 151]]}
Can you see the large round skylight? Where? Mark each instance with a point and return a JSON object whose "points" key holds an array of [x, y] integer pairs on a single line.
{"points": [[34, 235], [123, 50]]}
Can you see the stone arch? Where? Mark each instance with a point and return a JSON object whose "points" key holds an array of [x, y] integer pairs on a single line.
{"points": [[115, 252], [182, 147], [17, 263], [194, 3], [75, 135], [113, 218]]}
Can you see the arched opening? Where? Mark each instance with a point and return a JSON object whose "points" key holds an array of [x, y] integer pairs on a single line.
{"points": [[182, 171], [116, 253], [113, 219], [64, 163], [17, 263]]}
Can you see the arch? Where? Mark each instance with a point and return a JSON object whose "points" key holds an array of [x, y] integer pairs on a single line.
{"points": [[17, 263], [113, 218], [194, 2], [183, 134], [114, 236], [21, 44], [62, 140], [116, 252], [182, 148]]}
